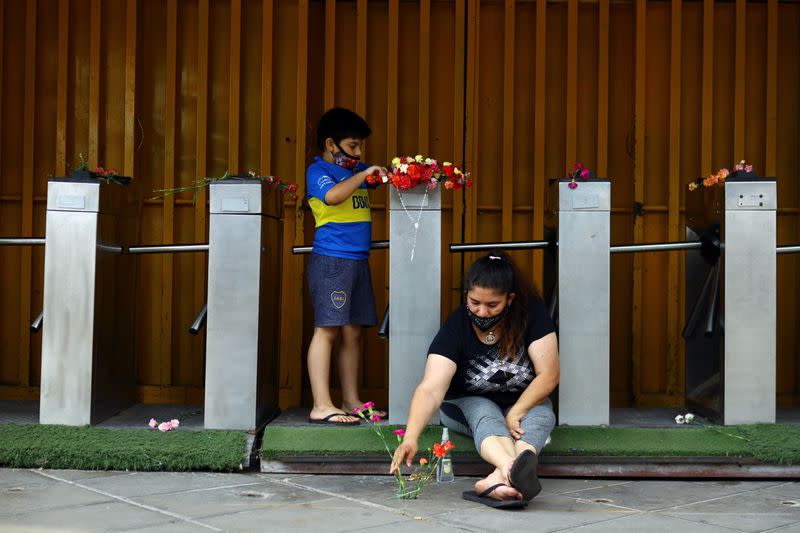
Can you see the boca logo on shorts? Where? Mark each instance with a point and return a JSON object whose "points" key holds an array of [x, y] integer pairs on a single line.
{"points": [[338, 298]]}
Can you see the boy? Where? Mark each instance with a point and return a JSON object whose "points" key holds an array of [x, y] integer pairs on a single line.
{"points": [[338, 271]]}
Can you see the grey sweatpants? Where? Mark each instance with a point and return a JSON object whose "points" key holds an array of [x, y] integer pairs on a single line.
{"points": [[480, 417]]}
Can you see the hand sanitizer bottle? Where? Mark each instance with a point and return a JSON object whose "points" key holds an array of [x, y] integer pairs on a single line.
{"points": [[444, 470]]}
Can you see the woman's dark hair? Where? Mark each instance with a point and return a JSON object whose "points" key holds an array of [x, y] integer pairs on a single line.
{"points": [[498, 272], [339, 123]]}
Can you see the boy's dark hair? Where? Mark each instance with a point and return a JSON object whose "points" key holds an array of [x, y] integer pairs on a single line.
{"points": [[498, 272], [339, 123]]}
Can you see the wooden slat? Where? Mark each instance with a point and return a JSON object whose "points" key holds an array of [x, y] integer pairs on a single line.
{"points": [[602, 89], [130, 87], [638, 191], [509, 60], [424, 75], [458, 145], [201, 168], [266, 86], [167, 231], [539, 135], [708, 88], [361, 58], [330, 53], [771, 157], [2, 42], [29, 106], [95, 25], [234, 90], [472, 119], [292, 268], [739, 81], [62, 84], [572, 86], [674, 340]]}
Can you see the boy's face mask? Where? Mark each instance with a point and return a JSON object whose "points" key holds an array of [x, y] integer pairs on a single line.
{"points": [[345, 160]]}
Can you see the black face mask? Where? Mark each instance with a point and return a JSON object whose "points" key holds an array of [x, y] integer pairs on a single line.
{"points": [[486, 323], [343, 159]]}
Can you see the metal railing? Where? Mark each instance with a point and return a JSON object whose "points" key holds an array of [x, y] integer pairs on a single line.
{"points": [[489, 246], [374, 245], [167, 248], [22, 241]]}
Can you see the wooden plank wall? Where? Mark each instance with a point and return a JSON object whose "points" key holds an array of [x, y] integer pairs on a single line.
{"points": [[650, 94]]}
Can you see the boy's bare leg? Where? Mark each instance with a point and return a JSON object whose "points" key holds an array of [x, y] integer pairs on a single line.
{"points": [[349, 363], [319, 366]]}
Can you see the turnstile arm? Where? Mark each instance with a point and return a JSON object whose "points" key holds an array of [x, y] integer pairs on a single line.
{"points": [[36, 325], [200, 321]]}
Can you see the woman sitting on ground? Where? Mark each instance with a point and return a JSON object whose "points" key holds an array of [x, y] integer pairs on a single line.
{"points": [[490, 370]]}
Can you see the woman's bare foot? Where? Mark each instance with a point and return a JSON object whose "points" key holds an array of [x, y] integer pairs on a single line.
{"points": [[505, 492], [319, 413]]}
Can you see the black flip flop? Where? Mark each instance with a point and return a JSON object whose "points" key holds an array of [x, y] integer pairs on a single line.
{"points": [[327, 420], [523, 475], [483, 498]]}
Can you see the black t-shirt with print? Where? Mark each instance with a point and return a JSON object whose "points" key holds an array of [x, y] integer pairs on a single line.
{"points": [[480, 372]]}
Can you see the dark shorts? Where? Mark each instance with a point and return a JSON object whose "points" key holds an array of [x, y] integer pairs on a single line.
{"points": [[341, 291]]}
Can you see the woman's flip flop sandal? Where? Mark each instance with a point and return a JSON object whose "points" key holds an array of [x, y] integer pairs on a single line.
{"points": [[523, 475], [483, 498], [327, 420]]}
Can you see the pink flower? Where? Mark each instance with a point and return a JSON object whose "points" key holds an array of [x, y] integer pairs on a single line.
{"points": [[585, 174], [152, 423], [174, 423], [400, 432], [375, 418], [357, 411], [748, 168], [573, 185], [164, 426], [578, 166], [368, 405]]}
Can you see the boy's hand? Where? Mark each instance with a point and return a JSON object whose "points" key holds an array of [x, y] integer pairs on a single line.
{"points": [[375, 174]]}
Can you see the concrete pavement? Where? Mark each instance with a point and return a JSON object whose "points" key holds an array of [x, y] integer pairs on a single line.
{"points": [[68, 500]]}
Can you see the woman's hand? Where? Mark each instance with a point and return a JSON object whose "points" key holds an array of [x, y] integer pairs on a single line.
{"points": [[404, 454], [513, 418]]}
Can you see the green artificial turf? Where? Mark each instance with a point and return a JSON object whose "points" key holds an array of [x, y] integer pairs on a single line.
{"points": [[779, 444], [91, 448]]}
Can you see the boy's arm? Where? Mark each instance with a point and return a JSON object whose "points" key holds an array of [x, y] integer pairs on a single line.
{"points": [[345, 188]]}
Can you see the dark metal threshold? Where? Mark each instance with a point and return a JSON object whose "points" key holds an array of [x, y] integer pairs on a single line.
{"points": [[554, 466]]}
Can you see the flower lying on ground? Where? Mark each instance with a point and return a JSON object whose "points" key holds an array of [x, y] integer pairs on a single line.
{"points": [[719, 178], [427, 466], [578, 172], [407, 172], [164, 426], [690, 418]]}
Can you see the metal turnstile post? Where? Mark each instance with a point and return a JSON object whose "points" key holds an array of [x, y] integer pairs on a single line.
{"points": [[88, 360], [414, 291], [584, 230], [750, 304], [236, 392]]}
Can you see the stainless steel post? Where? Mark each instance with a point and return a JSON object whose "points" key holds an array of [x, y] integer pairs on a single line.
{"points": [[88, 363], [234, 398], [750, 304], [584, 230], [415, 233]]}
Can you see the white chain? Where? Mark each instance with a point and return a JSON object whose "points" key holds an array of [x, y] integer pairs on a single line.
{"points": [[415, 222]]}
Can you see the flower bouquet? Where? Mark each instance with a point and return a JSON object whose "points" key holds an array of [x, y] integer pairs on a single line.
{"points": [[408, 172], [411, 487], [108, 175], [741, 169], [268, 181]]}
